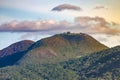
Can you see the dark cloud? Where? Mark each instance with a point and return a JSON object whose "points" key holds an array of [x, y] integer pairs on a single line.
{"points": [[66, 7]]}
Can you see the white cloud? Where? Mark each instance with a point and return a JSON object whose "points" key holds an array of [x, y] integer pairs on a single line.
{"points": [[81, 24], [4, 19], [108, 40], [96, 25], [30, 26]]}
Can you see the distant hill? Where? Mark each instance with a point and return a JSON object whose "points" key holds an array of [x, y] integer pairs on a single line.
{"points": [[61, 47], [14, 52], [103, 65]]}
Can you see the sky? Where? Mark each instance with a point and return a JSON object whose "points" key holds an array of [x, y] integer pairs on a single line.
{"points": [[37, 19]]}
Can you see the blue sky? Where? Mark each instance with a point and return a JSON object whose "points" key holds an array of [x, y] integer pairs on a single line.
{"points": [[39, 9], [19, 17]]}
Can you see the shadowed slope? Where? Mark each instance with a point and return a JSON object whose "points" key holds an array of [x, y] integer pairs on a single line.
{"points": [[14, 52]]}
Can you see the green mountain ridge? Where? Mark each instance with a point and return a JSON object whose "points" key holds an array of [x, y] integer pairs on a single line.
{"points": [[57, 48], [66, 56], [61, 47]]}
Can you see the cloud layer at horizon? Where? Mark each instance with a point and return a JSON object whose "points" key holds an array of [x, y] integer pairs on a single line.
{"points": [[81, 24]]}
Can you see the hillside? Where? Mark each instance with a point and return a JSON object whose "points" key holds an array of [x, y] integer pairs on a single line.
{"points": [[61, 47], [14, 52], [103, 65]]}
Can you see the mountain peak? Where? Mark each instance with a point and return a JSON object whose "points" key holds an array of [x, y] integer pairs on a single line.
{"points": [[65, 39], [57, 48], [61, 47], [16, 47], [74, 36]]}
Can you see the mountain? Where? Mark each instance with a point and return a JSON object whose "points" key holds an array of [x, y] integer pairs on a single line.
{"points": [[102, 65], [14, 52], [61, 47]]}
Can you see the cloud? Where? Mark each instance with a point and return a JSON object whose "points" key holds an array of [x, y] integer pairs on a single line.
{"points": [[66, 7], [109, 40], [100, 7], [33, 26], [4, 19], [96, 25], [34, 36], [81, 24]]}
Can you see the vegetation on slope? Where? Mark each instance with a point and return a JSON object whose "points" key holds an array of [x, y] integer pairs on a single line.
{"points": [[103, 65]]}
